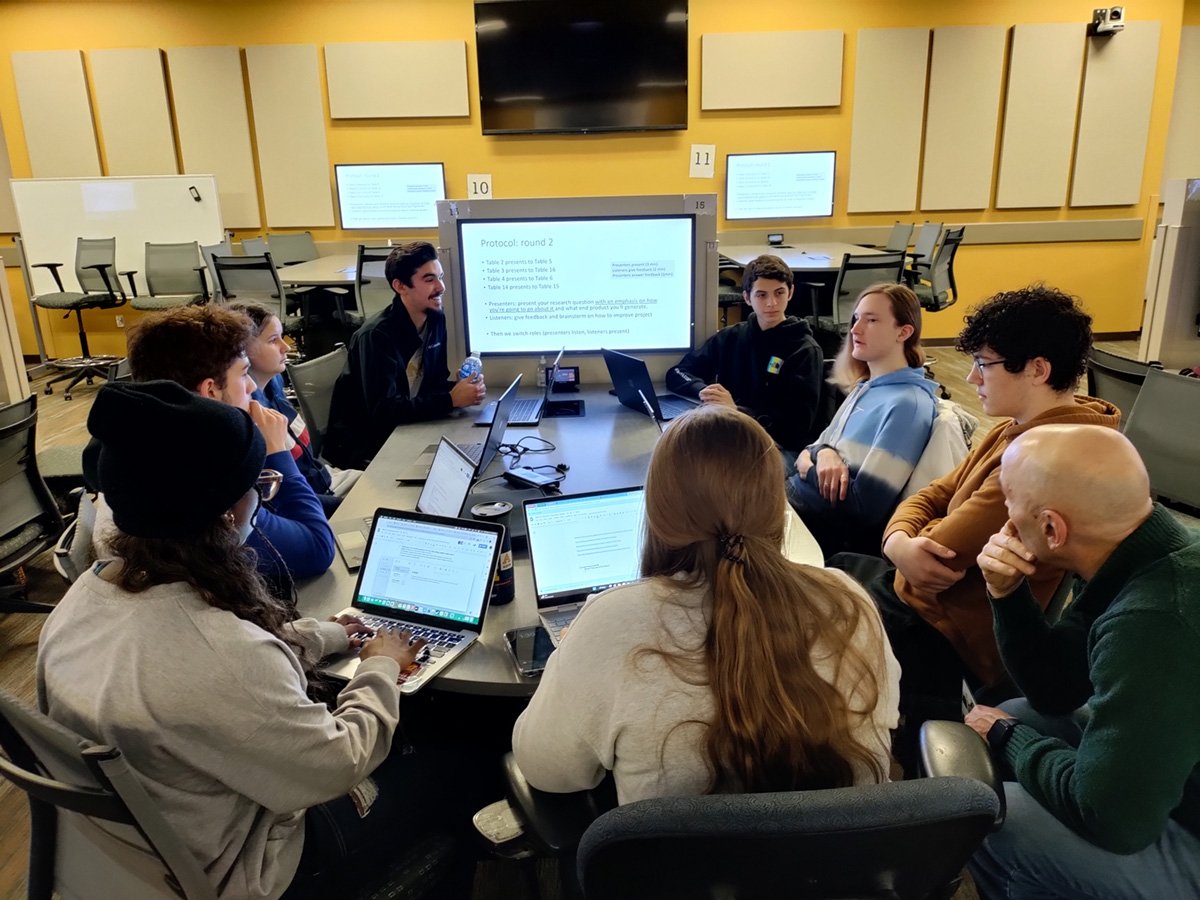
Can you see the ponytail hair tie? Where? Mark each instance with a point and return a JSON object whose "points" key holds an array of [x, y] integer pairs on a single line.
{"points": [[733, 547]]}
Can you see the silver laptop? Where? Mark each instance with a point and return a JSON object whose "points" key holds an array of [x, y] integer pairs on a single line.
{"points": [[444, 493], [526, 411], [431, 576], [482, 452], [580, 544]]}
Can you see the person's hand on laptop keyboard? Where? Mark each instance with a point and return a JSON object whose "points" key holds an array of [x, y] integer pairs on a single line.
{"points": [[394, 644], [355, 629]]}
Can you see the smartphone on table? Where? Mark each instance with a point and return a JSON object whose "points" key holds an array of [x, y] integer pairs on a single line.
{"points": [[529, 649]]}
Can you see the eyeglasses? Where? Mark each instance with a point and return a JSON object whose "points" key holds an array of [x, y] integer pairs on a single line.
{"points": [[268, 484], [982, 364]]}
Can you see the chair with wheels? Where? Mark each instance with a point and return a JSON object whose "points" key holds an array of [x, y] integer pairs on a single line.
{"points": [[922, 252], [313, 381], [174, 277], [1164, 426], [250, 278], [74, 551], [95, 269], [372, 291], [30, 521], [291, 248], [856, 273], [899, 237], [208, 251], [940, 290], [255, 246], [1116, 379]]}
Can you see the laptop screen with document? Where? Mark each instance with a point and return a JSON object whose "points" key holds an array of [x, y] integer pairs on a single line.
{"points": [[448, 483]]}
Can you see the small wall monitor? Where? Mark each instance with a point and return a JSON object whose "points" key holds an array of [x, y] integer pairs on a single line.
{"points": [[779, 185], [390, 195], [624, 282]]}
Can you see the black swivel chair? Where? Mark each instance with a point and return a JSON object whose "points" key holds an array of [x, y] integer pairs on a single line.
{"points": [[95, 268], [372, 292], [940, 290], [831, 320]]}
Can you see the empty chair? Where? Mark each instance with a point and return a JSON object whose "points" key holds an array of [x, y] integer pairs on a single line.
{"points": [[208, 251], [899, 237], [29, 518], [95, 269], [174, 276], [287, 249], [941, 290], [922, 251], [1116, 379], [372, 291], [1164, 425], [255, 246], [250, 278], [313, 381]]}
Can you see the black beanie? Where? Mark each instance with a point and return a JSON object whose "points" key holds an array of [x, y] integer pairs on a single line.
{"points": [[169, 461]]}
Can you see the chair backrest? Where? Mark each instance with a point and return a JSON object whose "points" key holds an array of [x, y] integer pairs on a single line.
{"points": [[208, 251], [92, 821], [1164, 425], [97, 252], [12, 413], [859, 272], [291, 248], [941, 275], [900, 236], [313, 381], [899, 840], [927, 239], [250, 278], [75, 551], [171, 269], [254, 246], [1115, 379], [949, 443], [372, 292], [29, 518]]}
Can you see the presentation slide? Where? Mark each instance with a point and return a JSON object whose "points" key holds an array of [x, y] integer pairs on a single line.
{"points": [[533, 286], [396, 195], [779, 185]]}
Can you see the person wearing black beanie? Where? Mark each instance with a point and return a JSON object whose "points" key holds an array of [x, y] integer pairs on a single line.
{"points": [[176, 652]]}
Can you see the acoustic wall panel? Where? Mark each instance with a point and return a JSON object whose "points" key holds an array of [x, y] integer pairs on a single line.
{"points": [[1114, 120], [433, 75], [214, 133], [962, 115], [805, 69], [8, 212], [889, 94], [53, 97], [289, 128], [131, 103], [1183, 138], [1044, 75]]}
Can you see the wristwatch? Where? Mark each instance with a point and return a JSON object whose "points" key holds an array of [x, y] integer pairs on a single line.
{"points": [[999, 734]]}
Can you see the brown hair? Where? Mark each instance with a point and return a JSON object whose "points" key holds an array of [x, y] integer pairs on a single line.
{"points": [[766, 266], [714, 517], [188, 344], [258, 314], [906, 309]]}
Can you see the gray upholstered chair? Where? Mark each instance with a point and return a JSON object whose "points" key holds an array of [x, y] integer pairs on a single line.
{"points": [[372, 291], [923, 249], [899, 236], [940, 290], [174, 276], [1116, 379], [313, 381], [1164, 425]]}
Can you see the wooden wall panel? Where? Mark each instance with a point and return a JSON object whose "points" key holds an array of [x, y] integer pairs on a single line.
{"points": [[56, 113], [131, 103], [362, 79]]}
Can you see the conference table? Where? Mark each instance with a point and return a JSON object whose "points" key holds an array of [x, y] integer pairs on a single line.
{"points": [[609, 446], [809, 257], [335, 270]]}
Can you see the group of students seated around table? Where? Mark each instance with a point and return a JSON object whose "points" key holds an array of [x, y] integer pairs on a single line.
{"points": [[725, 668]]}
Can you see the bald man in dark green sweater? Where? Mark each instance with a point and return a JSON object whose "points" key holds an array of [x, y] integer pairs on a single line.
{"points": [[1106, 744]]}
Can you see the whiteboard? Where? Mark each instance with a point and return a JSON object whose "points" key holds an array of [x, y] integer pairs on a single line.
{"points": [[53, 212]]}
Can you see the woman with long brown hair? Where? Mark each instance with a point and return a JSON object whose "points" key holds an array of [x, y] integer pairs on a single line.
{"points": [[727, 667]]}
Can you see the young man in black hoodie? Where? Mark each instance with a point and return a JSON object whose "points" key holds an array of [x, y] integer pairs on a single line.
{"points": [[769, 366]]}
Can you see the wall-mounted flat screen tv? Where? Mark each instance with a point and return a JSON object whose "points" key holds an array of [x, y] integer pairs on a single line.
{"points": [[559, 66], [390, 195], [779, 185]]}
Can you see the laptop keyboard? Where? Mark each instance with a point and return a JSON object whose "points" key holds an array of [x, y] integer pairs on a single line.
{"points": [[556, 622], [673, 407], [473, 450], [525, 410], [436, 640]]}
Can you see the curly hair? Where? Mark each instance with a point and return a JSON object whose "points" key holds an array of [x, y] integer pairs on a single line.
{"points": [[766, 266], [188, 344], [1034, 321]]}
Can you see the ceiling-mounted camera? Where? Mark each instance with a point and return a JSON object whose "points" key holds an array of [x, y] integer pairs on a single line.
{"points": [[1107, 21]]}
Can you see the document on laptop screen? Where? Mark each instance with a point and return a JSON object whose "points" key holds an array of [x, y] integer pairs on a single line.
{"points": [[579, 543], [448, 482], [428, 568]]}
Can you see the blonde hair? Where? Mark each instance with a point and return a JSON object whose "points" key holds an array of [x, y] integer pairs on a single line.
{"points": [[906, 310], [714, 517]]}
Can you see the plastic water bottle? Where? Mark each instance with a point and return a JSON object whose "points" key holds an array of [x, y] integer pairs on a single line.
{"points": [[472, 368]]}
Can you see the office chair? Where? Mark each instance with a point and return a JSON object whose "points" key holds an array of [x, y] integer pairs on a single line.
{"points": [[29, 518], [941, 290], [95, 268], [250, 278], [899, 237], [907, 839], [1116, 379], [74, 551], [290, 249], [313, 381], [923, 249], [855, 274], [255, 246], [1164, 426], [372, 291], [207, 252], [174, 277]]}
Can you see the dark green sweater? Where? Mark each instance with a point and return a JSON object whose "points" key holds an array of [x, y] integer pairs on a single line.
{"points": [[1129, 647]]}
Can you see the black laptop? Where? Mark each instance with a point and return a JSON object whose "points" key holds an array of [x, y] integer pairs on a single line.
{"points": [[631, 380]]}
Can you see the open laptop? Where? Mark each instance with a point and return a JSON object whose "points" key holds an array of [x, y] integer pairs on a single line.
{"points": [[631, 380], [429, 575], [580, 544], [528, 410], [444, 493], [482, 452]]}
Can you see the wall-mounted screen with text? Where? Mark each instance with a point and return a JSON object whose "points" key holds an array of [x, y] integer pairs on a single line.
{"points": [[391, 195], [779, 185]]}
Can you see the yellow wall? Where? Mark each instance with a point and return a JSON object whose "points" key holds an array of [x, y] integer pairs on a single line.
{"points": [[1109, 276]]}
